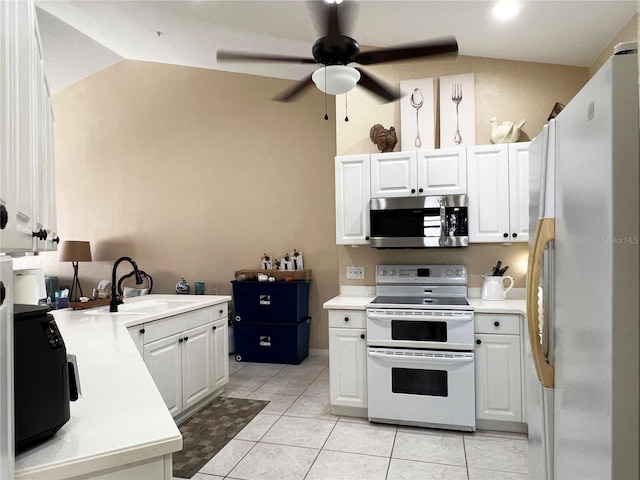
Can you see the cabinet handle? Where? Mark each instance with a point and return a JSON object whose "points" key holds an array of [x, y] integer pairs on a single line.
{"points": [[478, 342], [40, 234], [362, 335], [514, 235], [505, 235], [181, 340], [367, 237], [214, 327], [186, 338], [4, 217], [346, 319], [142, 330], [221, 312], [413, 190], [420, 190], [55, 239], [3, 293], [496, 324]]}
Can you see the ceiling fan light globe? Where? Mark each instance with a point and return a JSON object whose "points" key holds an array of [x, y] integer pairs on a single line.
{"points": [[339, 79]]}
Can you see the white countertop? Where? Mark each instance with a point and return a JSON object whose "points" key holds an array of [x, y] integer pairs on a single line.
{"points": [[352, 301], [515, 306], [120, 417]]}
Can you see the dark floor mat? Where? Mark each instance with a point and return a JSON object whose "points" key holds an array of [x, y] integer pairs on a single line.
{"points": [[205, 433]]}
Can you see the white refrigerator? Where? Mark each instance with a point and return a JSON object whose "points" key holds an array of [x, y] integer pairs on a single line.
{"points": [[583, 284]]}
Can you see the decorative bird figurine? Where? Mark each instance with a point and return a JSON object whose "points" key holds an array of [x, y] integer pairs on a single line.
{"points": [[505, 133], [384, 139]]}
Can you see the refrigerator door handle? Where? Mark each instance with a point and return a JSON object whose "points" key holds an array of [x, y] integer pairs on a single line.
{"points": [[545, 232]]}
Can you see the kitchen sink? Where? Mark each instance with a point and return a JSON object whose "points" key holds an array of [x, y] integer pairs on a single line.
{"points": [[142, 307]]}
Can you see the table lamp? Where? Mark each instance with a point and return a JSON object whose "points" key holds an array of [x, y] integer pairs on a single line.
{"points": [[74, 252]]}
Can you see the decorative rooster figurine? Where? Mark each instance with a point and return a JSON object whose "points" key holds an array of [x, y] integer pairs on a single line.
{"points": [[384, 139], [505, 133]]}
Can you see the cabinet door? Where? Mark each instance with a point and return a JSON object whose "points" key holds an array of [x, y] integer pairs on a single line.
{"points": [[26, 95], [163, 359], [352, 199], [220, 353], [442, 172], [348, 367], [197, 365], [45, 171], [498, 377], [7, 437], [18, 42], [488, 190], [394, 174], [519, 191], [10, 236]]}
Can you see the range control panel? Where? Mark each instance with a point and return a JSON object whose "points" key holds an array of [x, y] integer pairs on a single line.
{"points": [[421, 274]]}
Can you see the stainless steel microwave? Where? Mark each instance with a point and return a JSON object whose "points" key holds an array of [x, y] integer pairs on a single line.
{"points": [[419, 222]]}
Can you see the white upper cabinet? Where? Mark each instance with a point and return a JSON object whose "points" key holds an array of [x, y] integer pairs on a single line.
{"points": [[26, 135], [498, 188], [426, 172], [442, 172], [352, 199], [394, 174], [519, 191]]}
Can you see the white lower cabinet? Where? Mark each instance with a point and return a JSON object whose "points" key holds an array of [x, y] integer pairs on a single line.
{"points": [[348, 362], [498, 363], [163, 358], [220, 353], [187, 355]]}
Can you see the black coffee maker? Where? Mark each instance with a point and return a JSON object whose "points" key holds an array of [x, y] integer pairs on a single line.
{"points": [[45, 377]]}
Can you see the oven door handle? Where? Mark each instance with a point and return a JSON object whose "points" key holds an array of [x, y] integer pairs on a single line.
{"points": [[461, 318], [422, 359]]}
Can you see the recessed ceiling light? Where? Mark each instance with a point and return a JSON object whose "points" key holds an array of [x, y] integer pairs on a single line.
{"points": [[506, 9], [337, 2]]}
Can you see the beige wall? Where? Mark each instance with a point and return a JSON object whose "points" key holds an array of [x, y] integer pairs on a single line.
{"points": [[193, 173], [509, 90], [629, 33]]}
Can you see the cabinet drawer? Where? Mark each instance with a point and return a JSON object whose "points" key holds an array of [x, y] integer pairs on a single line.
{"points": [[347, 318], [178, 323], [499, 323], [221, 311]]}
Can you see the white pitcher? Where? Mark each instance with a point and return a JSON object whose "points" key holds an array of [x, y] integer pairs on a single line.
{"points": [[493, 287]]}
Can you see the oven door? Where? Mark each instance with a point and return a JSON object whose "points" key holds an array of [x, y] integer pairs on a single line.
{"points": [[421, 387], [420, 328]]}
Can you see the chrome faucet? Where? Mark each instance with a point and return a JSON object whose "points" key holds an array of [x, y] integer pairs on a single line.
{"points": [[113, 305]]}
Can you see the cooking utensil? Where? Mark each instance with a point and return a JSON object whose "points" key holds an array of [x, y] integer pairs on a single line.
{"points": [[456, 97], [502, 271], [417, 100]]}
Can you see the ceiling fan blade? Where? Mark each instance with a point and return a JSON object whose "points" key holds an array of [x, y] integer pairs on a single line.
{"points": [[406, 52], [231, 56], [297, 89], [375, 86]]}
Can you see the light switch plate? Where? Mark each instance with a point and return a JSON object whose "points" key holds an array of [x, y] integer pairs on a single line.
{"points": [[355, 273]]}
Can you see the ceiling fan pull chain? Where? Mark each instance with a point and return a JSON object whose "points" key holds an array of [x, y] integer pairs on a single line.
{"points": [[326, 115], [346, 108]]}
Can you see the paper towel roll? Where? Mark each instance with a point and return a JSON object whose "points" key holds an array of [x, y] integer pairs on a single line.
{"points": [[28, 286]]}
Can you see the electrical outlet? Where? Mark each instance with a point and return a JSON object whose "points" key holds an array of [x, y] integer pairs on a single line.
{"points": [[355, 273]]}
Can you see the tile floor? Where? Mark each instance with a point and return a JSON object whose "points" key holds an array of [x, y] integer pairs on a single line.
{"points": [[296, 438]]}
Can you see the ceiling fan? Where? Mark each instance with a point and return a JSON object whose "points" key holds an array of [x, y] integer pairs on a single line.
{"points": [[335, 51]]}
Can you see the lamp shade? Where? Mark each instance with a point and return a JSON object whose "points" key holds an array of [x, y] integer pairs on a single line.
{"points": [[335, 79], [74, 251]]}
